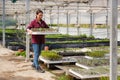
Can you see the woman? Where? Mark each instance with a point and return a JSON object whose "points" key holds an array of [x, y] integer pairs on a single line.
{"points": [[37, 40]]}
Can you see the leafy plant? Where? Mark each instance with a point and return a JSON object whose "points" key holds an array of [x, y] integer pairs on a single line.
{"points": [[104, 78], [64, 77], [64, 42], [101, 26], [86, 72], [107, 78], [118, 77], [12, 31], [21, 54], [20, 33], [57, 36], [91, 37], [96, 54], [51, 55], [83, 36], [102, 40], [92, 62]]}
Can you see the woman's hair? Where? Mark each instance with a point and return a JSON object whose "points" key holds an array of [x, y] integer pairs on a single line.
{"points": [[39, 11]]}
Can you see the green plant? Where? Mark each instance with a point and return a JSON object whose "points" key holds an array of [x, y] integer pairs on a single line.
{"points": [[91, 37], [21, 53], [101, 40], [57, 36], [118, 77], [15, 43], [104, 78], [92, 62], [96, 54], [84, 25], [76, 41], [20, 33], [51, 55], [8, 31], [64, 42], [118, 26], [107, 78], [101, 26], [83, 36], [64, 77], [52, 25]]}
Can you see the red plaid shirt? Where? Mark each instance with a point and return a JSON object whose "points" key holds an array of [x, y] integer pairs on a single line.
{"points": [[39, 39]]}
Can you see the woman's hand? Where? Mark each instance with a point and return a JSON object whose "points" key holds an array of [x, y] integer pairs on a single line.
{"points": [[29, 31]]}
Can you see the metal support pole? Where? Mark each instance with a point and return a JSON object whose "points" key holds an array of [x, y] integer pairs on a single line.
{"points": [[78, 31], [51, 17], [44, 14], [67, 20], [3, 24], [113, 39], [77, 21], [58, 19], [16, 19], [91, 22], [107, 19], [27, 36]]}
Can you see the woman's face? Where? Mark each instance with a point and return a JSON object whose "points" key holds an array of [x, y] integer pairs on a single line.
{"points": [[39, 16]]}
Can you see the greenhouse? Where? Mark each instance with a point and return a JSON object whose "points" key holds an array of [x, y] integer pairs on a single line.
{"points": [[79, 39]]}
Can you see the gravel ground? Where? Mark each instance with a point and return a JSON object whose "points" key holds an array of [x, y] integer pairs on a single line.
{"points": [[15, 68]]}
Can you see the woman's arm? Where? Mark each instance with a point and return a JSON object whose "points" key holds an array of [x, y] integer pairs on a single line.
{"points": [[45, 25], [29, 27]]}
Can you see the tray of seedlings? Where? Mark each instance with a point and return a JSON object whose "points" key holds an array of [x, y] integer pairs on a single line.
{"points": [[90, 73], [72, 51], [97, 72], [52, 58], [44, 31], [90, 63]]}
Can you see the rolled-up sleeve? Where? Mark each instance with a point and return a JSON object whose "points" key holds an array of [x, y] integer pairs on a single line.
{"points": [[45, 25], [30, 25]]}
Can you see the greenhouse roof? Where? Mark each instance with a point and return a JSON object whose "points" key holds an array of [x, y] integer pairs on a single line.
{"points": [[64, 5]]}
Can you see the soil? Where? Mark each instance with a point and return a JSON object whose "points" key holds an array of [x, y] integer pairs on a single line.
{"points": [[14, 67]]}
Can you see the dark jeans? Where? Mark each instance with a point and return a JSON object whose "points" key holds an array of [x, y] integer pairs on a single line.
{"points": [[37, 51]]}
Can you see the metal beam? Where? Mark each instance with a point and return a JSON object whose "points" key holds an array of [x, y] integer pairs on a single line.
{"points": [[67, 21], [51, 19], [48, 6], [77, 22], [44, 14], [35, 4], [58, 18], [98, 8], [3, 23], [107, 19], [91, 22], [113, 39], [77, 14], [27, 36]]}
